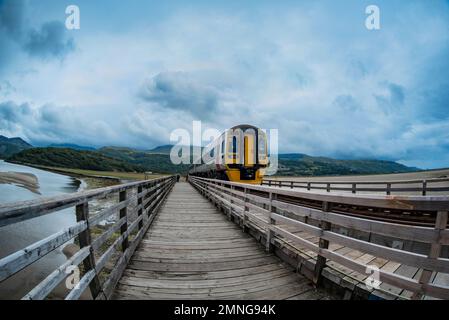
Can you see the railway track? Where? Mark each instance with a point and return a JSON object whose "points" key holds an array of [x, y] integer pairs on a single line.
{"points": [[400, 216]]}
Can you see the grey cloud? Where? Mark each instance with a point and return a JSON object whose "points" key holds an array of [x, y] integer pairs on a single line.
{"points": [[11, 17], [393, 99], [12, 112], [50, 41], [181, 91], [346, 102]]}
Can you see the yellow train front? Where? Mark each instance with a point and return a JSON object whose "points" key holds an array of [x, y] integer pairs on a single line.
{"points": [[239, 155]]}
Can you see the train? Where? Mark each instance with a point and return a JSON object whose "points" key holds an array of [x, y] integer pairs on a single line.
{"points": [[239, 154]]}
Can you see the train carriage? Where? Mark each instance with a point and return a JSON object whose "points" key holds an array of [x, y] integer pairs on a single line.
{"points": [[240, 155]]}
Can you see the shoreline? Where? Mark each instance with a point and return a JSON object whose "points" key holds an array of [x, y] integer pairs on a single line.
{"points": [[21, 179]]}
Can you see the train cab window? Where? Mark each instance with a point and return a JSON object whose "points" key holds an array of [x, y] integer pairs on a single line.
{"points": [[262, 147], [212, 152], [222, 147], [234, 145]]}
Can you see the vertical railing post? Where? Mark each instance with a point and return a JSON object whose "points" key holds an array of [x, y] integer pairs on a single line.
{"points": [[269, 183], [231, 202], [328, 187], [388, 189], [291, 185], [271, 221], [123, 213], [308, 186], [354, 188], [324, 244], [424, 187], [139, 204], [435, 251], [84, 238], [245, 210]]}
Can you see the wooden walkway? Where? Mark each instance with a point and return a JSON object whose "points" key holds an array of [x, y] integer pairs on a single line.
{"points": [[192, 251]]}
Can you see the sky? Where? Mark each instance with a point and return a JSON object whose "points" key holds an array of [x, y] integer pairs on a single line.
{"points": [[137, 70]]}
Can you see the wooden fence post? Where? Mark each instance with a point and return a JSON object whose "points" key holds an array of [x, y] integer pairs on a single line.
{"points": [[424, 187], [324, 244], [139, 203], [245, 209], [435, 251], [123, 213], [84, 238], [231, 203], [270, 233]]}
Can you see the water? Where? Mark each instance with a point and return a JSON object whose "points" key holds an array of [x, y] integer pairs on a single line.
{"points": [[19, 235]]}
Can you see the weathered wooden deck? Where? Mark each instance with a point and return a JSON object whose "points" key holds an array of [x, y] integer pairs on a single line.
{"points": [[193, 252]]}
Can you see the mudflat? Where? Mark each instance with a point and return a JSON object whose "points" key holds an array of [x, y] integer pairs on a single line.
{"points": [[22, 179]]}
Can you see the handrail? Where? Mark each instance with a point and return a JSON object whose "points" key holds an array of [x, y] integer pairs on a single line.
{"points": [[423, 186], [149, 195], [267, 208]]}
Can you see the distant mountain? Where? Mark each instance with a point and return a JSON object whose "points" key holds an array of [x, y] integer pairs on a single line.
{"points": [[70, 146], [304, 165], [69, 158], [10, 146], [155, 160], [165, 149], [158, 160]]}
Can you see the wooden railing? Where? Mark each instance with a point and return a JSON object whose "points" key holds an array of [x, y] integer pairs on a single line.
{"points": [[271, 210], [119, 241], [423, 186]]}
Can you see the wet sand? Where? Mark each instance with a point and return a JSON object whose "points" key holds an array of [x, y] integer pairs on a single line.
{"points": [[21, 179]]}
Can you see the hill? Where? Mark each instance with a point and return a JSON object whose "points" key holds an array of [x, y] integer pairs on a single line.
{"points": [[10, 146], [150, 160], [69, 158], [291, 164], [165, 149], [304, 165], [70, 146]]}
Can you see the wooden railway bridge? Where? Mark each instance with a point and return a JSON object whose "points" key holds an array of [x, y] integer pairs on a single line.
{"points": [[211, 239]]}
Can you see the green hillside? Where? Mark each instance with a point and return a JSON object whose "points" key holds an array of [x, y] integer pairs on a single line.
{"points": [[10, 146], [304, 165], [150, 160], [69, 158]]}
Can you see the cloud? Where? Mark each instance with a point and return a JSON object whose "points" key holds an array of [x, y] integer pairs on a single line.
{"points": [[182, 91], [50, 41], [310, 69], [12, 17]]}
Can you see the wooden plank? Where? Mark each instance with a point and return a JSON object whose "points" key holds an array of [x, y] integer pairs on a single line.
{"points": [[18, 260]]}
